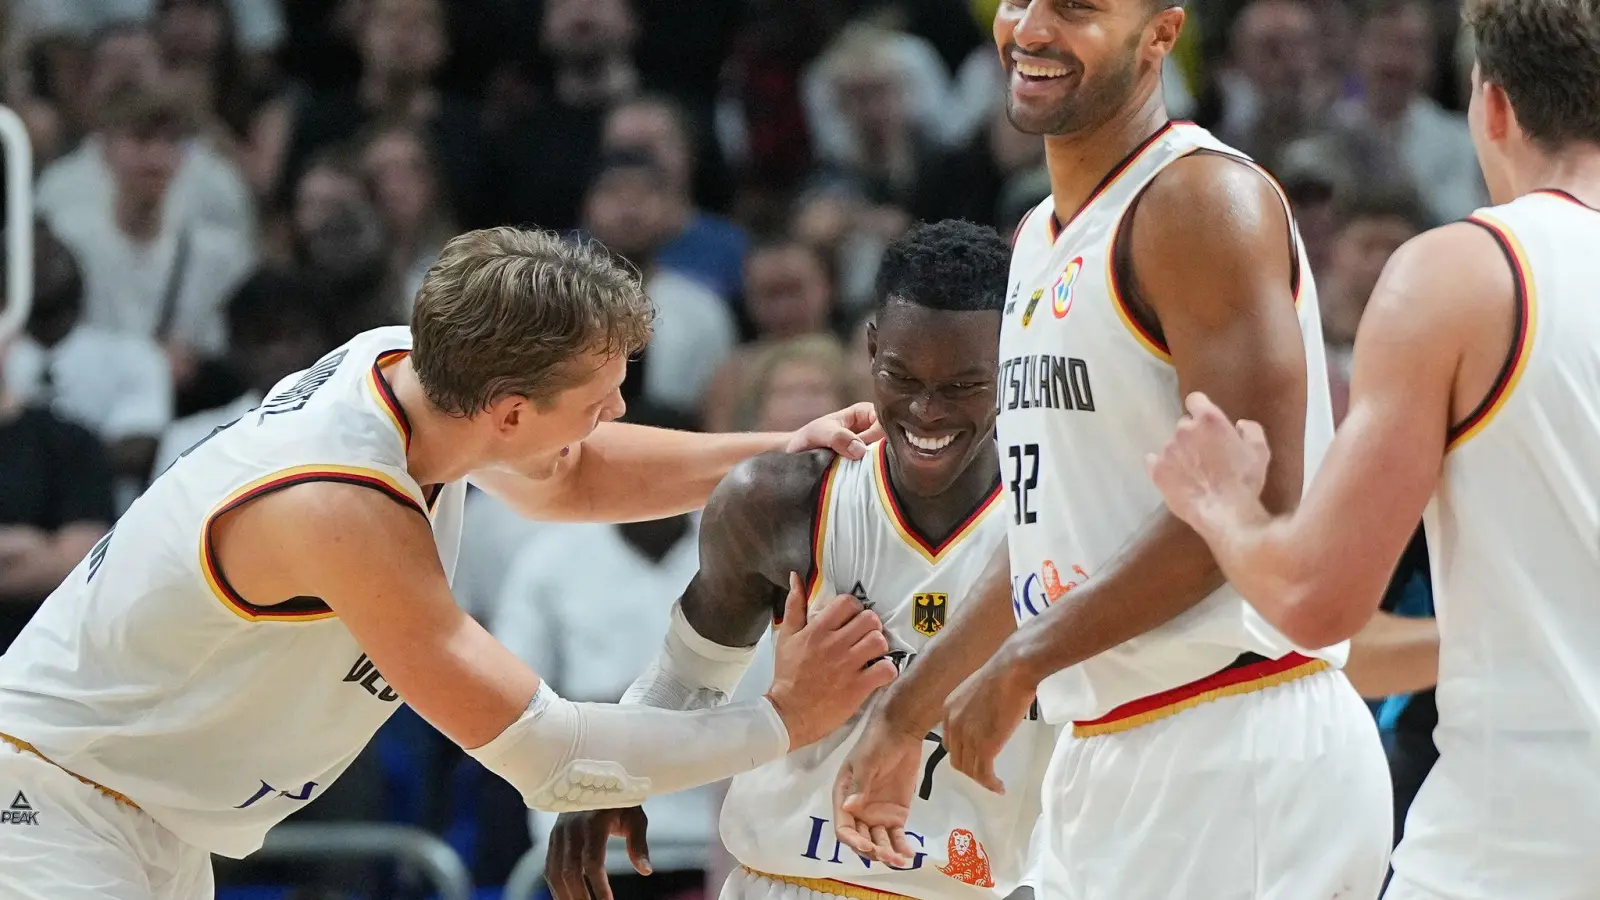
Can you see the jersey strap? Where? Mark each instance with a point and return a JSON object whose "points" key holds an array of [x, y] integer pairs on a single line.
{"points": [[1249, 673]]}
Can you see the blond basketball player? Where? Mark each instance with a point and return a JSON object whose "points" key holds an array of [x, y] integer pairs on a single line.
{"points": [[1476, 398], [220, 657], [1206, 754], [908, 530]]}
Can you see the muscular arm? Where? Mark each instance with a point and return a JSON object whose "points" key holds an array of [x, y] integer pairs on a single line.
{"points": [[1212, 263], [755, 531], [630, 473], [1319, 574]]}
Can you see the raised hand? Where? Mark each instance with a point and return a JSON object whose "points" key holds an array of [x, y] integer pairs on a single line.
{"points": [[846, 432], [1210, 462], [827, 664]]}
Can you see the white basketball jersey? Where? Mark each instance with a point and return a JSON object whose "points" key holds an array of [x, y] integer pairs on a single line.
{"points": [[147, 673], [778, 819], [1085, 393]]}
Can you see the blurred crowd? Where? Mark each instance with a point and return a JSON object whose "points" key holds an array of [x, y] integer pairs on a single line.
{"points": [[226, 189]]}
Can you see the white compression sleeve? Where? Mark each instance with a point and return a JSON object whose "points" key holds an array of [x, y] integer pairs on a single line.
{"points": [[565, 756], [692, 672]]}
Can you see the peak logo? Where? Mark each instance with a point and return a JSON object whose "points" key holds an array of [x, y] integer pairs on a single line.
{"points": [[21, 812]]}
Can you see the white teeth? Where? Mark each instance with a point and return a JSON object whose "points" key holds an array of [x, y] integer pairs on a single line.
{"points": [[1035, 71], [931, 445]]}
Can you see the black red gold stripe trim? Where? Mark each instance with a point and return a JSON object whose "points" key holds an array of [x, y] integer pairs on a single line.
{"points": [[1522, 335], [832, 887], [299, 609], [1557, 192], [1057, 225], [1017, 232], [819, 530], [1236, 679], [1119, 300], [31, 750], [929, 549], [385, 394]]}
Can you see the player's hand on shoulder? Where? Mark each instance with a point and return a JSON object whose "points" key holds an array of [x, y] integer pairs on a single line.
{"points": [[873, 792], [575, 858], [846, 432], [828, 661]]}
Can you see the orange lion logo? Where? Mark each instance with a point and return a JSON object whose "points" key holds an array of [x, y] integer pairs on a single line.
{"points": [[1053, 588], [969, 862]]}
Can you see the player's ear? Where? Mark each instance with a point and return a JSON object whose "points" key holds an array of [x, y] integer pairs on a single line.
{"points": [[872, 340], [1499, 118], [1163, 30], [507, 413]]}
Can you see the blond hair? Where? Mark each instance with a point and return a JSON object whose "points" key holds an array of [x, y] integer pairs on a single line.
{"points": [[820, 351], [509, 311]]}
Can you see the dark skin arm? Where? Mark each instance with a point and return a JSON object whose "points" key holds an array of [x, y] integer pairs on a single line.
{"points": [[755, 532], [1214, 271]]}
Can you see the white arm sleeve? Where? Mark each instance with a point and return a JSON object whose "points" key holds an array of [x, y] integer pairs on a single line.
{"points": [[565, 757], [692, 672]]}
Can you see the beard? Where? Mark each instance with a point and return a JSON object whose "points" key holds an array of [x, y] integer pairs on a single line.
{"points": [[1096, 99]]}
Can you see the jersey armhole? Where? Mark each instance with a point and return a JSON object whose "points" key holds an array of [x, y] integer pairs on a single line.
{"points": [[297, 609], [1135, 314], [1521, 337], [821, 518]]}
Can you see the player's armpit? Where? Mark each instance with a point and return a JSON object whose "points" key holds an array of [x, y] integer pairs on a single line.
{"points": [[1430, 344], [374, 562]]}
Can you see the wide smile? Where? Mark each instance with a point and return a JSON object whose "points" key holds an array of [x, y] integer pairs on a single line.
{"points": [[1032, 76], [928, 446]]}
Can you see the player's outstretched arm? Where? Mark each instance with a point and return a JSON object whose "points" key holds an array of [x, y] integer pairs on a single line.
{"points": [[630, 473], [374, 562], [1319, 574], [755, 536], [1212, 264], [1394, 655], [873, 793]]}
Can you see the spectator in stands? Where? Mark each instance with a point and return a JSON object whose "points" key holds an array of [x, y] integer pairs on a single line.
{"points": [[339, 242], [144, 274], [1395, 58], [970, 183], [851, 231], [277, 325], [117, 385], [788, 292], [403, 174], [1271, 89], [1371, 227], [701, 245], [584, 604], [791, 380], [55, 503], [881, 145], [628, 210], [545, 159], [403, 44], [208, 190], [242, 111]]}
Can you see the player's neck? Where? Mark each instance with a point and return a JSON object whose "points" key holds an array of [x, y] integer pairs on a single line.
{"points": [[439, 451], [1575, 170], [1079, 162], [937, 516]]}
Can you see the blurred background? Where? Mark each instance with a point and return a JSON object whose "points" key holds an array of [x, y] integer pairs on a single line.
{"points": [[226, 189]]}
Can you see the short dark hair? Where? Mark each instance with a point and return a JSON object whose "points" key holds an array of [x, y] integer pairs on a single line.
{"points": [[1391, 202], [952, 265], [1545, 54]]}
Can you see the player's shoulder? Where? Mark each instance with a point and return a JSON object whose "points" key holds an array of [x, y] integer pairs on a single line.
{"points": [[1453, 264], [777, 485], [1210, 194]]}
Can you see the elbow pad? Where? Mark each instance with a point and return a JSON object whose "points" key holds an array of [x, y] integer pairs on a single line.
{"points": [[566, 757], [692, 672]]}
